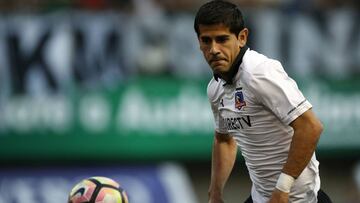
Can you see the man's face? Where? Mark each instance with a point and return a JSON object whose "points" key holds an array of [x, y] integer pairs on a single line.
{"points": [[219, 46]]}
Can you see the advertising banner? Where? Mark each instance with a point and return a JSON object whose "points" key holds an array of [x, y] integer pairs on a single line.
{"points": [[150, 118]]}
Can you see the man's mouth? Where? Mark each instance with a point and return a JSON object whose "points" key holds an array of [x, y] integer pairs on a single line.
{"points": [[216, 60]]}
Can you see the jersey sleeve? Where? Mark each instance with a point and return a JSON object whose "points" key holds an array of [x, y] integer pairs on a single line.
{"points": [[278, 92], [214, 103]]}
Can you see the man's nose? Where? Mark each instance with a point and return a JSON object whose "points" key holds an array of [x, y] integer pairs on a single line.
{"points": [[214, 49]]}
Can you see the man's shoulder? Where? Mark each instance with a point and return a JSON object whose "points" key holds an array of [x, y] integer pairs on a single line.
{"points": [[255, 62]]}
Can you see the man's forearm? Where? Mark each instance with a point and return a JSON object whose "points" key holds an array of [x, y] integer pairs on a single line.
{"points": [[223, 159], [303, 145]]}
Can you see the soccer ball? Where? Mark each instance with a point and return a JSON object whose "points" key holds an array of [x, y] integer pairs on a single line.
{"points": [[98, 190]]}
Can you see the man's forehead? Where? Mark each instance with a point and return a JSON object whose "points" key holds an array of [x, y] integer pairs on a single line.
{"points": [[214, 30]]}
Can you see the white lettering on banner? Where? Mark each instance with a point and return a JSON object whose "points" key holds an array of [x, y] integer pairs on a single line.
{"points": [[335, 109], [340, 114], [188, 112], [19, 190], [185, 113], [25, 114], [94, 113], [177, 184], [136, 186], [53, 189]]}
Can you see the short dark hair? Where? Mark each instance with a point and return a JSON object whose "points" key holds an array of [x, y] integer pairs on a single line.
{"points": [[220, 12]]}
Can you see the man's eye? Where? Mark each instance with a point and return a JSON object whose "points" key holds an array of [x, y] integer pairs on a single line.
{"points": [[221, 40], [206, 40]]}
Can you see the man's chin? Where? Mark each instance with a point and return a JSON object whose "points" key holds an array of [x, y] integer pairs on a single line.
{"points": [[219, 70]]}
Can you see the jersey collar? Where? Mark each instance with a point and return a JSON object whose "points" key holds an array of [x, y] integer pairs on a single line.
{"points": [[234, 67]]}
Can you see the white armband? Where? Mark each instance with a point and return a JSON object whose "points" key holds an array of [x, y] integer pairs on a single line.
{"points": [[285, 182]]}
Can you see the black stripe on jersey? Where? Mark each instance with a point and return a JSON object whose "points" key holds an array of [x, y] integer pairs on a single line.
{"points": [[293, 109]]}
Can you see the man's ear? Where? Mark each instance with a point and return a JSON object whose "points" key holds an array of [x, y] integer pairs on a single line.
{"points": [[242, 37]]}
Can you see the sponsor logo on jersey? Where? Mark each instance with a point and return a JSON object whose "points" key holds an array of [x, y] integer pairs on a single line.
{"points": [[237, 122], [239, 99]]}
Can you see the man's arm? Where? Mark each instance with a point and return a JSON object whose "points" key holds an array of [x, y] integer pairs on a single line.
{"points": [[223, 159], [307, 130]]}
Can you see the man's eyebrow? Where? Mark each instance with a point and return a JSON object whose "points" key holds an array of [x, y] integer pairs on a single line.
{"points": [[216, 37], [205, 37], [223, 36]]}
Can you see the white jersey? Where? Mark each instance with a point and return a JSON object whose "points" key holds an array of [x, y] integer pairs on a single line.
{"points": [[256, 109]]}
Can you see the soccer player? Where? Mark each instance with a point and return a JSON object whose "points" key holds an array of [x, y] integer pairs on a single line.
{"points": [[260, 109]]}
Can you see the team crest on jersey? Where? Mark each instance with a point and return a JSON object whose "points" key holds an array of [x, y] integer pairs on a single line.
{"points": [[239, 100]]}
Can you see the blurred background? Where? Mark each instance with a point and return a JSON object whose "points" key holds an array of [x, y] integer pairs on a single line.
{"points": [[118, 88]]}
